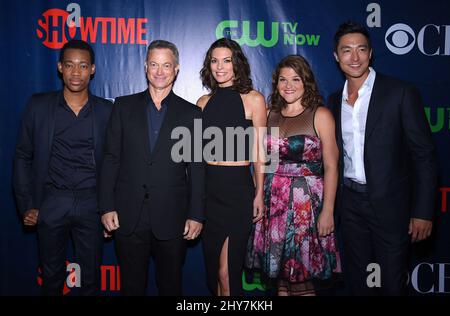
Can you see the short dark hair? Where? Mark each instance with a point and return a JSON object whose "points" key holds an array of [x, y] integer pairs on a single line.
{"points": [[311, 97], [348, 28], [77, 44], [242, 81], [160, 44]]}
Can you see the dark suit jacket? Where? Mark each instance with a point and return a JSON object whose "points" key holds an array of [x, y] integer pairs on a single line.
{"points": [[35, 140], [133, 177], [399, 155]]}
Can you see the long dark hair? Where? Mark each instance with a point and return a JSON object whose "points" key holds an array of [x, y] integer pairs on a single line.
{"points": [[242, 81], [311, 97]]}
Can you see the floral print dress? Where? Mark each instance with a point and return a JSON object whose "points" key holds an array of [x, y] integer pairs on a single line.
{"points": [[285, 244]]}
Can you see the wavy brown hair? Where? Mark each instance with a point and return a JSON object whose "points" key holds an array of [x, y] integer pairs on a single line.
{"points": [[242, 81], [311, 97]]}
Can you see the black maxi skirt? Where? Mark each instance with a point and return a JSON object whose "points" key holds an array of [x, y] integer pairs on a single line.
{"points": [[230, 193]]}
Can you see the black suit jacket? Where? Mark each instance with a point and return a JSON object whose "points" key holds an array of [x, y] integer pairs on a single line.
{"points": [[399, 156], [35, 140], [133, 177]]}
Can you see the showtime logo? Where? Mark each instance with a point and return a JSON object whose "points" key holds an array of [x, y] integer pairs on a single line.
{"points": [[57, 27], [109, 275], [444, 191]]}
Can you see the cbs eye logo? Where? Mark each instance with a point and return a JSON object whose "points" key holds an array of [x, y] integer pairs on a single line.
{"points": [[400, 38]]}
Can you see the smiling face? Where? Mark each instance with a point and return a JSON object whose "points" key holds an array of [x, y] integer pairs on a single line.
{"points": [[222, 66], [290, 85], [161, 68], [353, 55], [76, 70]]}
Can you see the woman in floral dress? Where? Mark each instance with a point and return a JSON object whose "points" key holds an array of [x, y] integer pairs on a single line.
{"points": [[294, 243]]}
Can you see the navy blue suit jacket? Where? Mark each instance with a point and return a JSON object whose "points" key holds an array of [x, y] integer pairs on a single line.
{"points": [[399, 155], [34, 145], [133, 177]]}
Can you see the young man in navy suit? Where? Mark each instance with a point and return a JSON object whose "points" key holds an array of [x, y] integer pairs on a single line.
{"points": [[388, 173], [57, 163]]}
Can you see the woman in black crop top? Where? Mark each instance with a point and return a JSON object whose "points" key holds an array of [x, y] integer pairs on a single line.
{"points": [[233, 198]]}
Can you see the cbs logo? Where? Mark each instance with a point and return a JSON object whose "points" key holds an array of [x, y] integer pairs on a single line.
{"points": [[431, 40], [400, 38]]}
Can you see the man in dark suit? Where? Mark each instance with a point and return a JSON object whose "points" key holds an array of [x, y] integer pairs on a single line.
{"points": [[58, 158], [388, 173], [158, 200]]}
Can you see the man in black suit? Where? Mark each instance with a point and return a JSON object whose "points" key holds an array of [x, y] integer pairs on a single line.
{"points": [[58, 158], [158, 200], [388, 173]]}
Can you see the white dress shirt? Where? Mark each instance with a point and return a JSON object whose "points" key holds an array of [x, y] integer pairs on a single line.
{"points": [[353, 120]]}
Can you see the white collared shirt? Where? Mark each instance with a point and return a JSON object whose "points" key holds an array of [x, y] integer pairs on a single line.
{"points": [[353, 120]]}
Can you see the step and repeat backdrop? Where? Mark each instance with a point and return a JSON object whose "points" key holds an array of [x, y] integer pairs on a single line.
{"points": [[411, 41]]}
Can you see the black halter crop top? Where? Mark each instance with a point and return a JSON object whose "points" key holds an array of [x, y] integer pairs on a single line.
{"points": [[224, 114]]}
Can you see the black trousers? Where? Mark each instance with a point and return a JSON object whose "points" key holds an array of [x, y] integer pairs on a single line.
{"points": [[365, 241], [134, 252], [66, 214]]}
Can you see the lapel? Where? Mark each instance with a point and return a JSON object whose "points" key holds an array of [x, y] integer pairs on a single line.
{"points": [[376, 105], [338, 114], [167, 125], [142, 124], [96, 120], [52, 118], [336, 107]]}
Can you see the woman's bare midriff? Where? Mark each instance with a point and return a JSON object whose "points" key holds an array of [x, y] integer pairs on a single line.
{"points": [[229, 163]]}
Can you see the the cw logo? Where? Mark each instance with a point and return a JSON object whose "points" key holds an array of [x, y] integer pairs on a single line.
{"points": [[290, 35], [256, 285], [229, 27], [440, 116]]}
